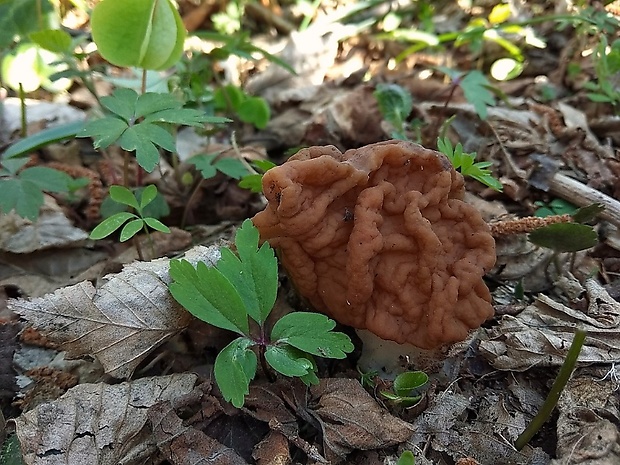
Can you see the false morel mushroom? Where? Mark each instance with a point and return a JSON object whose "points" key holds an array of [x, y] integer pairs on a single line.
{"points": [[379, 238]]}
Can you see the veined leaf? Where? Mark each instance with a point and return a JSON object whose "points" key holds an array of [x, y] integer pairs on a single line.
{"points": [[235, 367], [288, 360], [193, 289], [312, 333]]}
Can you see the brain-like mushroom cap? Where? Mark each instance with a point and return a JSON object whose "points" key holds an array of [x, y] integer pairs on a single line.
{"points": [[379, 238]]}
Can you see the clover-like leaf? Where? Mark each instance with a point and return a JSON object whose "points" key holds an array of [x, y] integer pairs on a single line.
{"points": [[312, 333], [111, 224], [409, 381], [123, 195], [288, 360], [235, 367]]}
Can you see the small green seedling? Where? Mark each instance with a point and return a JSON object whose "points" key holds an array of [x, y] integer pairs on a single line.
{"points": [[244, 286], [464, 162], [137, 123], [133, 222], [406, 388], [555, 207], [395, 104], [22, 189], [406, 458], [249, 109]]}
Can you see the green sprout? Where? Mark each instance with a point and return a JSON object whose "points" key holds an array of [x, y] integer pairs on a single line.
{"points": [[133, 222], [243, 287], [465, 163], [406, 388]]}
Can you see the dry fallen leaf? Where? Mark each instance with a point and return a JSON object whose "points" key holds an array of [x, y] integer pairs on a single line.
{"points": [[541, 335], [119, 323], [351, 419], [184, 445], [98, 424]]}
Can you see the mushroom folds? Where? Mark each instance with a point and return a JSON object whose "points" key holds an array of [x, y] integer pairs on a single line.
{"points": [[379, 238]]}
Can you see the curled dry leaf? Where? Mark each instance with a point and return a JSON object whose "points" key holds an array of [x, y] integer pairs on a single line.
{"points": [[184, 445], [98, 424], [119, 323], [541, 335], [348, 417], [351, 419]]}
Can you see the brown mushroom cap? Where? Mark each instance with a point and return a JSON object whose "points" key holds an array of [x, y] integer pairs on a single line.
{"points": [[380, 239]]}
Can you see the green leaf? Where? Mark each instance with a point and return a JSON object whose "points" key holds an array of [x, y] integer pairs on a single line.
{"points": [[252, 182], [111, 224], [122, 102], [235, 367], [406, 458], [10, 166], [208, 295], [54, 40], [156, 225], [565, 237], [43, 138], [47, 179], [123, 195], [232, 167], [228, 97], [204, 164], [22, 195], [587, 213], [152, 33], [395, 103], [148, 195], [288, 360], [186, 116], [475, 88], [409, 381], [131, 229], [105, 131], [153, 102], [256, 111], [260, 266], [311, 332], [147, 153]]}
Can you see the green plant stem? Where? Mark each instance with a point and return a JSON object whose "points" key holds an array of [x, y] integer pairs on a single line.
{"points": [[150, 239], [308, 18], [143, 85], [554, 394], [22, 106]]}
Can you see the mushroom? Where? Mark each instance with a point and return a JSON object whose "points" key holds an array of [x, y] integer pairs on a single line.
{"points": [[379, 238]]}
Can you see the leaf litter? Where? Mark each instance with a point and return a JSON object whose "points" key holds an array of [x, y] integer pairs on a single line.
{"points": [[476, 410]]}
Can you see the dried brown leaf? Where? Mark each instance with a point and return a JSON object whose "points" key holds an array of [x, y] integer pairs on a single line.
{"points": [[183, 445], [119, 323], [351, 419], [98, 424]]}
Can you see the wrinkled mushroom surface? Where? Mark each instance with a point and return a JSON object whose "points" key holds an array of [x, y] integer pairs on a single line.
{"points": [[380, 239]]}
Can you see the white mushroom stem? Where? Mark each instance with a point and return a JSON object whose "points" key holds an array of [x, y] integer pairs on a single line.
{"points": [[389, 358]]}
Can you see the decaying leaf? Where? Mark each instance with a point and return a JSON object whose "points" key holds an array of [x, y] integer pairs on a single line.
{"points": [[351, 419], [98, 424], [52, 229], [346, 415], [541, 335], [487, 439], [184, 445], [119, 323], [586, 430]]}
